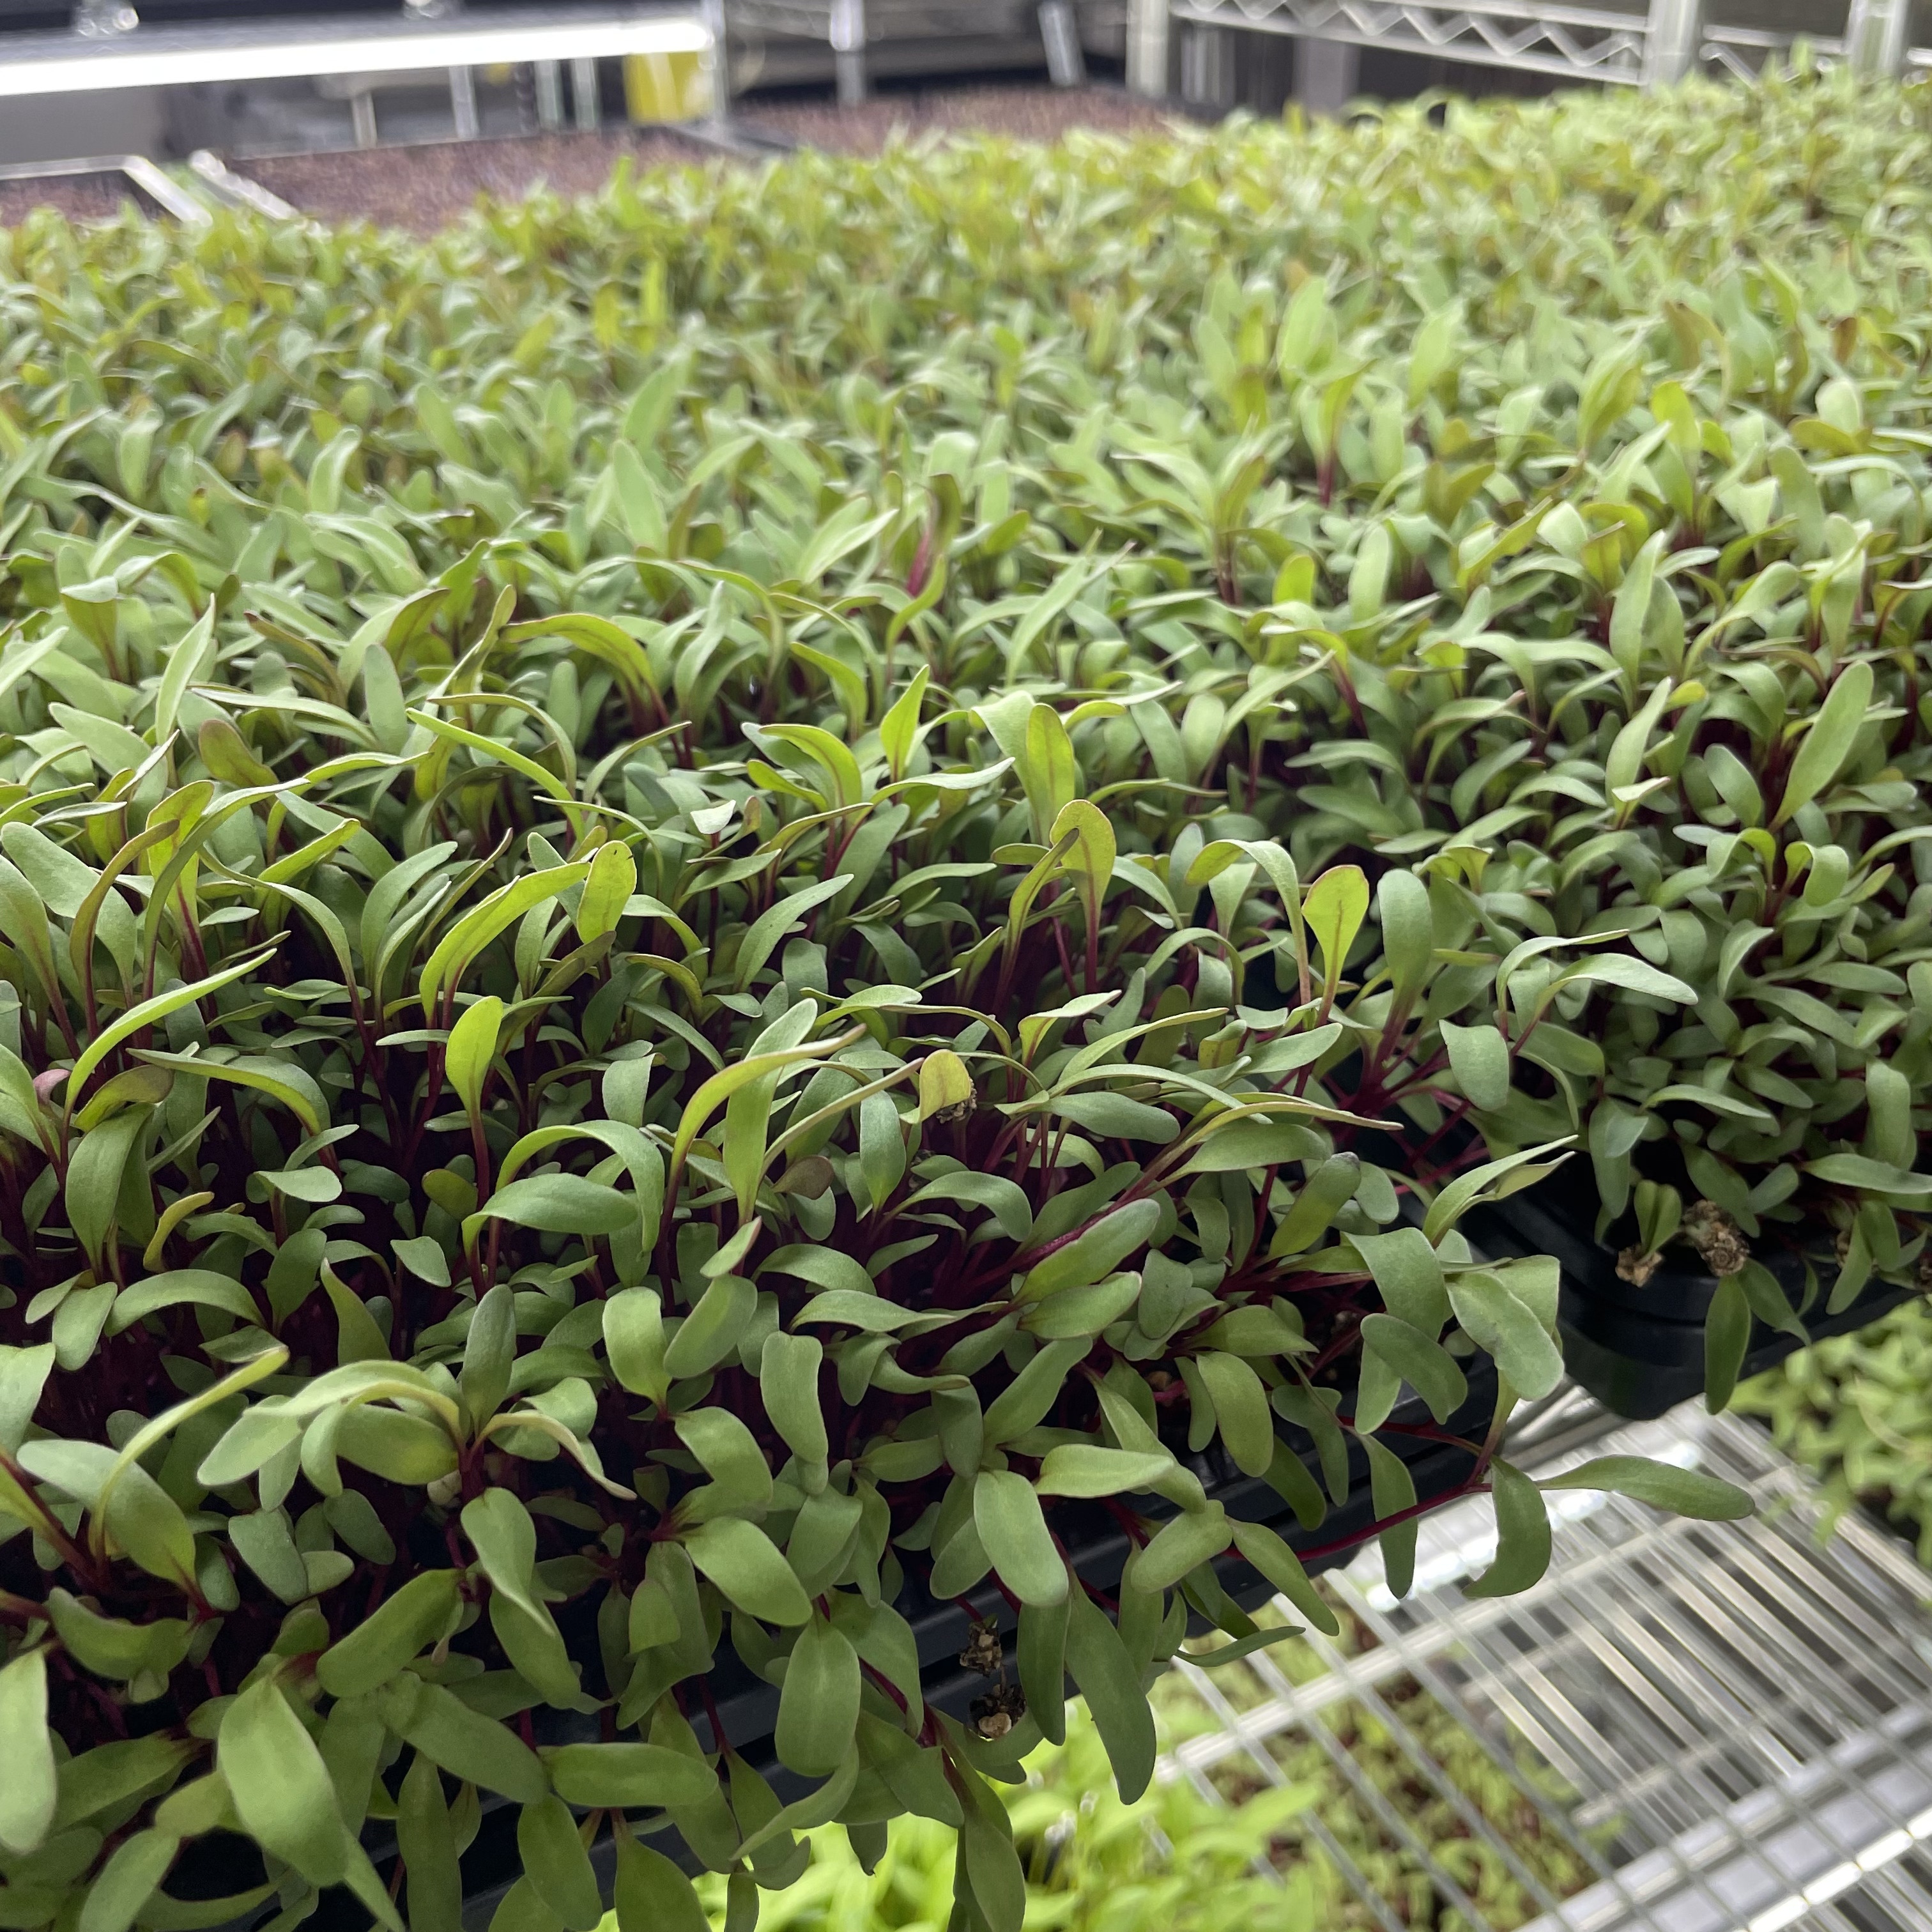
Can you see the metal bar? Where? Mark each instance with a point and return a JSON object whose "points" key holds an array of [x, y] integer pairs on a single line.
{"points": [[464, 119], [717, 58], [1875, 38], [1725, 47], [1704, 1739], [1670, 49], [1059, 30], [1652, 50], [1444, 1631], [1327, 74], [169, 195], [1746, 1620], [583, 93], [1564, 1737], [91, 164], [846, 29], [1207, 63], [33, 64], [1320, 16], [548, 78], [1147, 32], [1477, 1826], [1397, 1827], [1422, 1668], [1210, 1693], [1757, 37], [362, 118], [238, 190]]}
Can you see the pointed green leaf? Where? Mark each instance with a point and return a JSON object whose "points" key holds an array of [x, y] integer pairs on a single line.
{"points": [[818, 1708], [29, 1791], [749, 1567], [427, 1840], [1423, 1362], [471, 1047], [652, 1895], [556, 1862], [1013, 1532], [279, 1786], [1182, 1544], [1664, 1485], [1099, 1665], [1333, 910], [1823, 750], [417, 1617]]}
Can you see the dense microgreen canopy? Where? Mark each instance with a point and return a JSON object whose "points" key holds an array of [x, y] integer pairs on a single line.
{"points": [[728, 910]]}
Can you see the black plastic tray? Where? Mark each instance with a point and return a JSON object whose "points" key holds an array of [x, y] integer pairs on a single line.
{"points": [[1640, 1351], [1559, 1216], [1639, 1369]]}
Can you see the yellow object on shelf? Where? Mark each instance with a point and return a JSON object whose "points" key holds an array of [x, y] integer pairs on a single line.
{"points": [[666, 87]]}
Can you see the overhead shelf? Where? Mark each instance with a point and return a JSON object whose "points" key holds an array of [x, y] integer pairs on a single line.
{"points": [[34, 65]]}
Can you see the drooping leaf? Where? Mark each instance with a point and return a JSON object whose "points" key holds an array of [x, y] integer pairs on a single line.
{"points": [[1691, 1492]]}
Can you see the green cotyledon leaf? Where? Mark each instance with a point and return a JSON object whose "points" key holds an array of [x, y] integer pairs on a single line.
{"points": [[127, 1881], [1333, 910], [652, 1894], [140, 1515], [151, 1013], [1013, 1532], [30, 1790], [426, 1836], [749, 1567], [1823, 751], [626, 1776], [472, 1045], [1181, 1545], [557, 1863], [1505, 1328], [818, 1708], [788, 1378], [1101, 1666], [279, 1786], [607, 890], [558, 1203], [420, 1614], [1095, 1252], [479, 928]]}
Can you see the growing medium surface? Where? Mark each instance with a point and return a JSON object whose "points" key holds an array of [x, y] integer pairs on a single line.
{"points": [[736, 907]]}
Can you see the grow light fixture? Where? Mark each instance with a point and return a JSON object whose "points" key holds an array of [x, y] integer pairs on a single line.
{"points": [[32, 64]]}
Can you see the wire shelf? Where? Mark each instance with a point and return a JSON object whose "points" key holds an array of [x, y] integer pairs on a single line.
{"points": [[1720, 1727], [1609, 44], [1573, 43]]}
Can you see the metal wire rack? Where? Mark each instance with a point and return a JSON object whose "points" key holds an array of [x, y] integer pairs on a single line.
{"points": [[1727, 1726], [1531, 36]]}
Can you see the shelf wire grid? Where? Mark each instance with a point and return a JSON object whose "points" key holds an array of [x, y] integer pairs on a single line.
{"points": [[1573, 42], [1728, 1726], [1530, 36]]}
